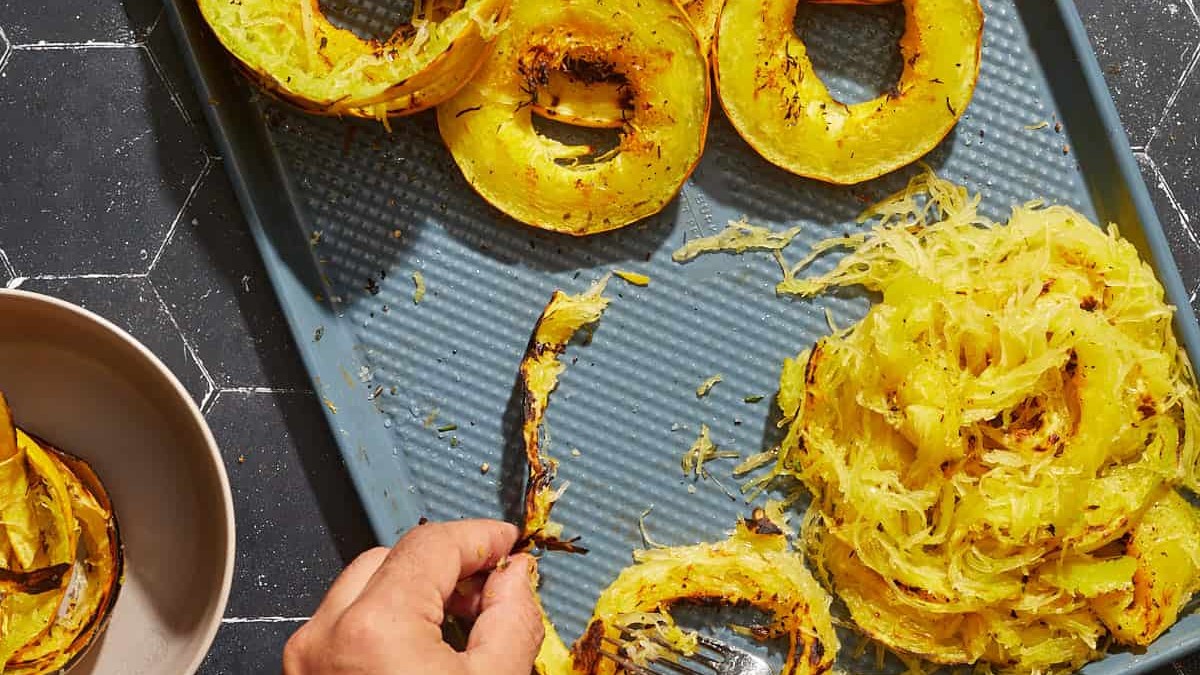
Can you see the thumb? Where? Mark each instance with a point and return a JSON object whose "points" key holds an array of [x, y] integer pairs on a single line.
{"points": [[508, 633]]}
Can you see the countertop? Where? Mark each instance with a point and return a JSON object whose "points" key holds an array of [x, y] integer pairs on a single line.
{"points": [[113, 196]]}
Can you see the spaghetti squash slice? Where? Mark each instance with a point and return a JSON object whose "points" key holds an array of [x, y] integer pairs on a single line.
{"points": [[632, 64], [292, 51], [755, 566], [777, 102]]}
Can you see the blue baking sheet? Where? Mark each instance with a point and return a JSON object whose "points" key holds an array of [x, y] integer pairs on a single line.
{"points": [[422, 397]]}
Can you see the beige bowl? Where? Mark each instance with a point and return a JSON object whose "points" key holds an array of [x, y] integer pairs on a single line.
{"points": [[87, 387]]}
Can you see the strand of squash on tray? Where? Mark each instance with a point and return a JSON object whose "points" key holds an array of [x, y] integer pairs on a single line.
{"points": [[994, 453]]}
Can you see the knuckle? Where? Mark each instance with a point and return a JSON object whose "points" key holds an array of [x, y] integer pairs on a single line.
{"points": [[295, 651], [357, 627]]}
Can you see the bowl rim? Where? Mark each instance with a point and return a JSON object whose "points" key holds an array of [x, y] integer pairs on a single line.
{"points": [[214, 622]]}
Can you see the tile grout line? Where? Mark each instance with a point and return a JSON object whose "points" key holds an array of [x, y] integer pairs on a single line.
{"points": [[1185, 220], [75, 46], [90, 275], [209, 400], [1179, 85], [172, 91], [6, 266], [187, 344], [5, 49], [158, 19], [264, 390], [187, 201], [264, 619]]}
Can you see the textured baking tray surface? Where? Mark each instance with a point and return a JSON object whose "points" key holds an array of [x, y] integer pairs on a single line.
{"points": [[441, 373]]}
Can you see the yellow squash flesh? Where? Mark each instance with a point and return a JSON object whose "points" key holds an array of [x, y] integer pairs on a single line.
{"points": [[754, 566], [994, 450], [61, 564], [95, 578], [704, 15], [1165, 547], [563, 316], [549, 59], [46, 523], [777, 102], [293, 51]]}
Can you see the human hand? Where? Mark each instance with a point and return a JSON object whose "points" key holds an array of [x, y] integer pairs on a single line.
{"points": [[384, 614]]}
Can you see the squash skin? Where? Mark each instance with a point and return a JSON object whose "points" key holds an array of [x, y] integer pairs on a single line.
{"points": [[645, 49], [327, 70], [779, 105]]}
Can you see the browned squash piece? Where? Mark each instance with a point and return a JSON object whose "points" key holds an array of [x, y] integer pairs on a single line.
{"points": [[776, 101], [595, 62], [91, 591], [294, 52], [754, 566], [563, 316], [1166, 546]]}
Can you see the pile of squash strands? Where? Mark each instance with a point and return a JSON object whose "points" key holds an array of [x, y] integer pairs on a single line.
{"points": [[996, 451]]}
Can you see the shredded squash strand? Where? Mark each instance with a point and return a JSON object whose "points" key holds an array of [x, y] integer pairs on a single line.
{"points": [[994, 451]]}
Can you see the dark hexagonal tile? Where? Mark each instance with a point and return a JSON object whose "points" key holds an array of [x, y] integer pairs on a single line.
{"points": [[248, 648], [164, 49], [96, 160], [132, 304], [1180, 228], [212, 278], [1143, 53], [69, 21], [1174, 151], [298, 518]]}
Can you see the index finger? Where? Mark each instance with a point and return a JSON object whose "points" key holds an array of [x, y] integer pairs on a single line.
{"points": [[421, 570]]}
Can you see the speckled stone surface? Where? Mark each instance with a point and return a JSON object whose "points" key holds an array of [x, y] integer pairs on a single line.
{"points": [[112, 196]]}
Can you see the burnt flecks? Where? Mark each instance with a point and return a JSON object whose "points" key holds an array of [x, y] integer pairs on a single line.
{"points": [[816, 653], [538, 61], [759, 523], [36, 581], [1072, 364], [586, 652], [592, 71]]}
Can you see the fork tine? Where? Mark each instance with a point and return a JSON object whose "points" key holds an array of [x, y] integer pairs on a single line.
{"points": [[715, 645], [635, 669], [679, 668], [626, 665]]}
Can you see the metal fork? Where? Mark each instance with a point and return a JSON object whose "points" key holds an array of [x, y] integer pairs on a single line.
{"points": [[724, 659]]}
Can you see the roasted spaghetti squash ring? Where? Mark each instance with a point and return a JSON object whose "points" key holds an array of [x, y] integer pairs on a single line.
{"points": [[776, 101], [754, 566], [644, 48], [292, 51], [600, 105]]}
